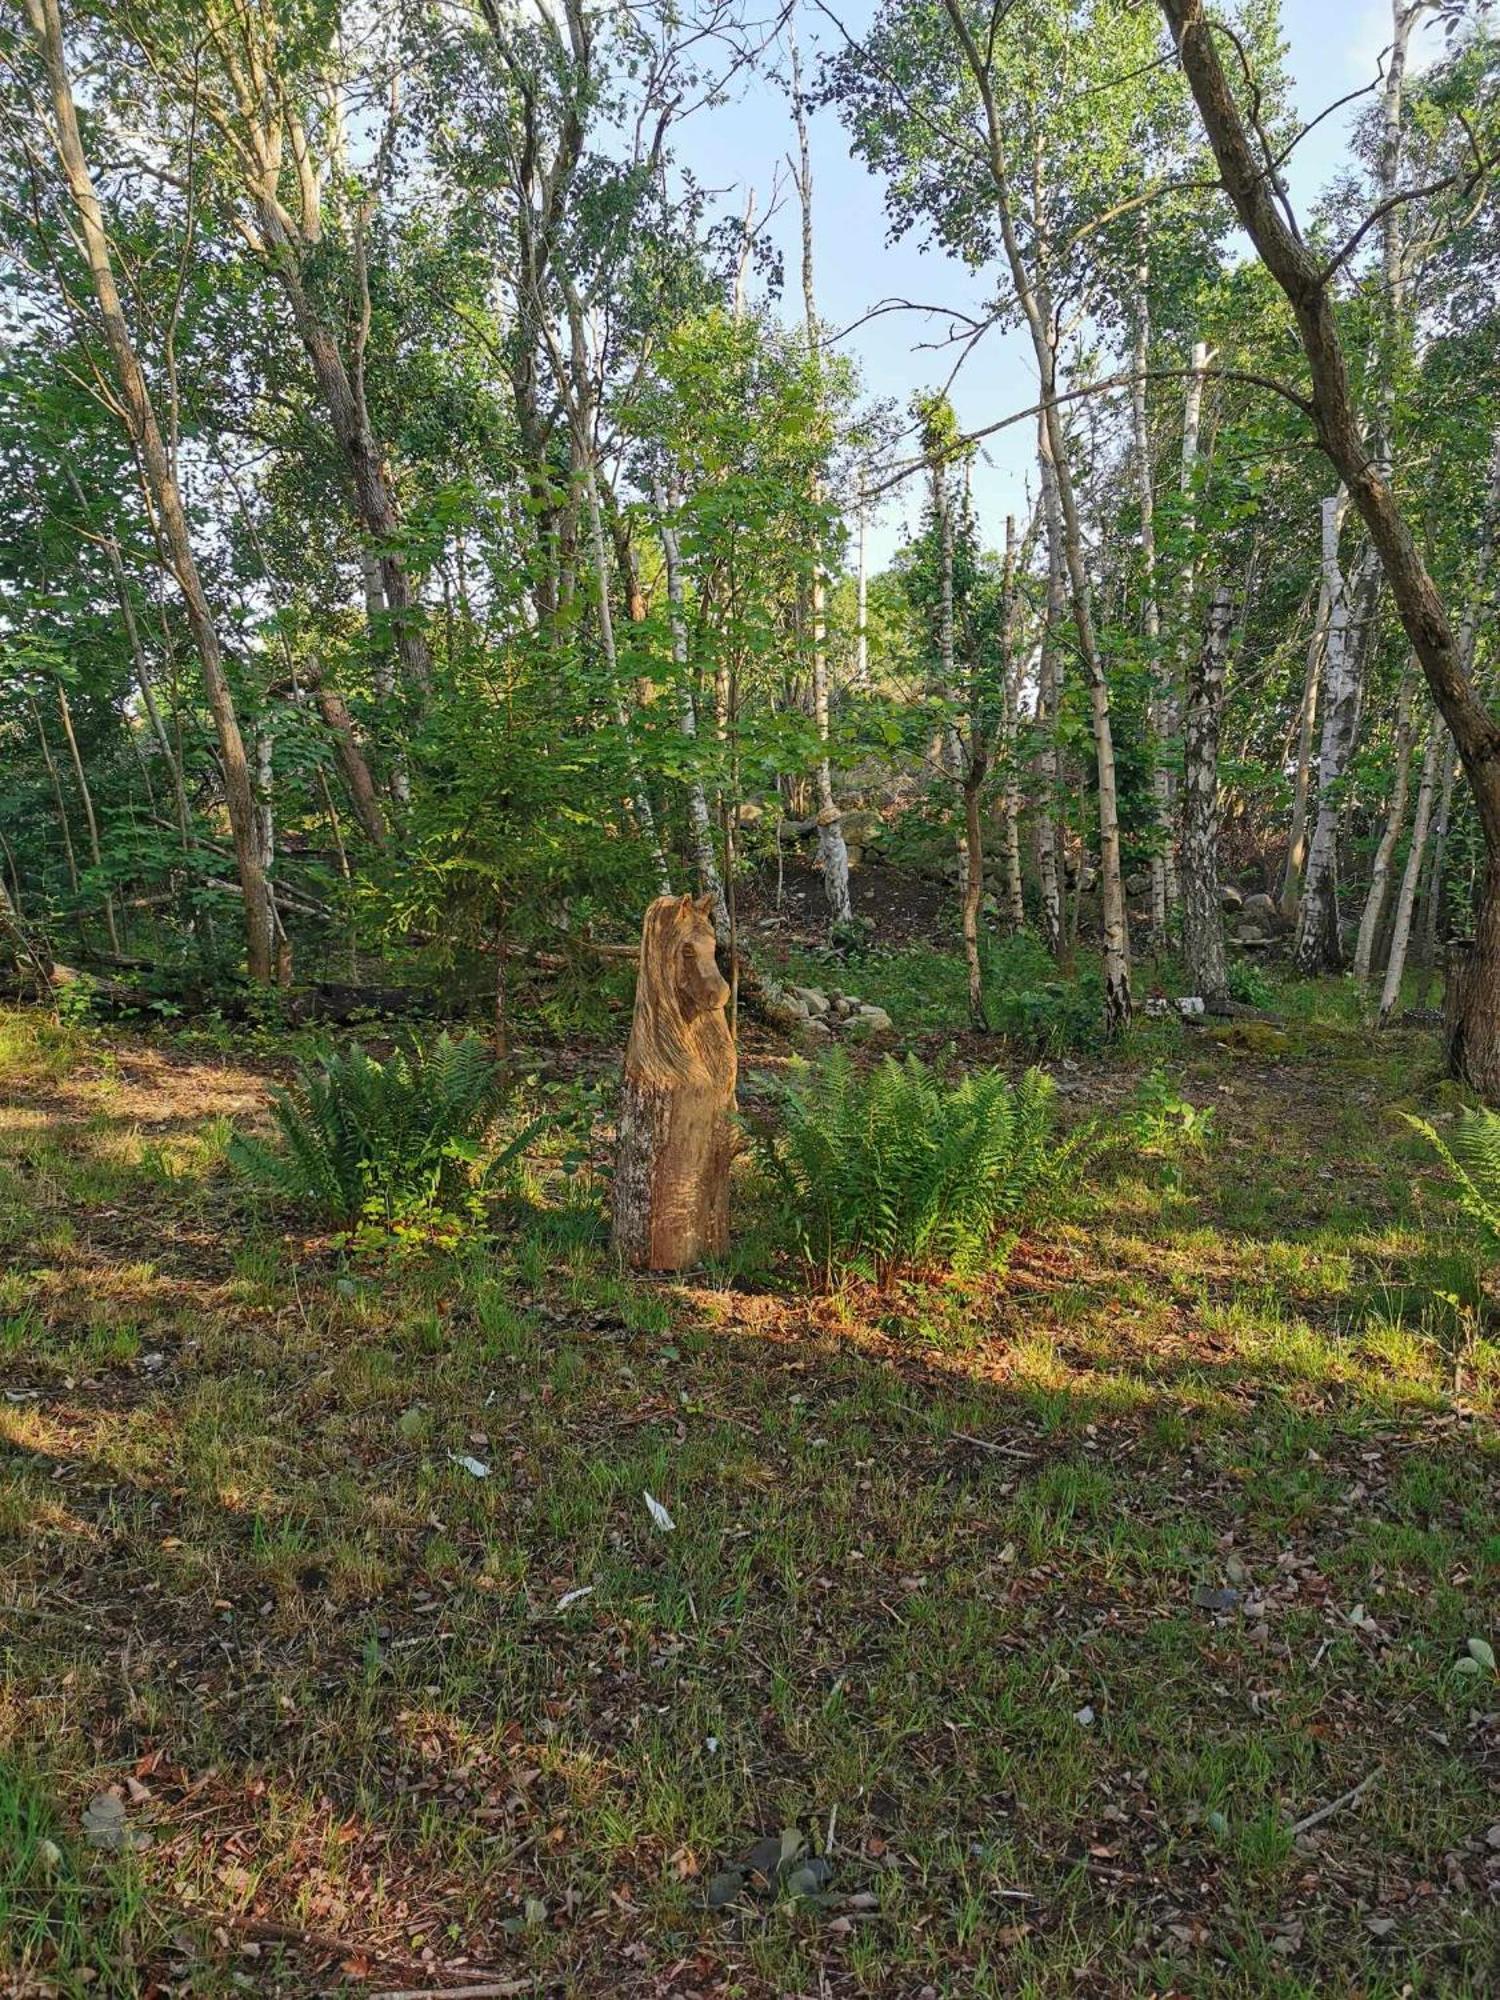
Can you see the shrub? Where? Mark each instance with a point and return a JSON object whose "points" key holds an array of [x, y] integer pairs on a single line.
{"points": [[1249, 985], [1473, 1159], [389, 1142], [1029, 1001], [891, 1169]]}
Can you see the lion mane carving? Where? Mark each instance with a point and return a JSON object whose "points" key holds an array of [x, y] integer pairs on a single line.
{"points": [[671, 1194]]}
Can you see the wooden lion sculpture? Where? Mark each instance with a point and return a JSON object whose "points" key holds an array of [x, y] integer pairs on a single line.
{"points": [[671, 1196]]}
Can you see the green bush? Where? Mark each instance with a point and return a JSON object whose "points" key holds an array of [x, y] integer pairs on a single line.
{"points": [[1473, 1159], [1248, 984], [390, 1143], [891, 1169], [1029, 1001]]}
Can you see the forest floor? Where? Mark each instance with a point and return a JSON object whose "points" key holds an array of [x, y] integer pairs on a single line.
{"points": [[1104, 1624]]}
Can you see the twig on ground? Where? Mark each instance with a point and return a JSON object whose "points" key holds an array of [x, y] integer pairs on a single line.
{"points": [[985, 1444], [497, 1989], [1336, 1805]]}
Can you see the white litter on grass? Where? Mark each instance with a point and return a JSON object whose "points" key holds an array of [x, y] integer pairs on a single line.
{"points": [[658, 1513], [475, 1466], [575, 1596]]}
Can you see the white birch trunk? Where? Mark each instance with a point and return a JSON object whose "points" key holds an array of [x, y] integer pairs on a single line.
{"points": [[1319, 947], [1411, 874], [1395, 819], [832, 850], [1145, 485], [1202, 914]]}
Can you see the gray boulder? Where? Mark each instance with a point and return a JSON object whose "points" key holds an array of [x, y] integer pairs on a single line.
{"points": [[815, 1002]]}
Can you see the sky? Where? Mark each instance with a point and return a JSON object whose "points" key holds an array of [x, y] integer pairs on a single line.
{"points": [[1334, 46]]}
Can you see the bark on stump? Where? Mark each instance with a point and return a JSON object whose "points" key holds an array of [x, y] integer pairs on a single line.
{"points": [[671, 1195]]}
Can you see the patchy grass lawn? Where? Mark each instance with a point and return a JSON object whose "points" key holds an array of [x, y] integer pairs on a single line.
{"points": [[1048, 1609]]}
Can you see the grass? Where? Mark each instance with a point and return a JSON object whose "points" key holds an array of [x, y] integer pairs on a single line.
{"points": [[940, 1592]]}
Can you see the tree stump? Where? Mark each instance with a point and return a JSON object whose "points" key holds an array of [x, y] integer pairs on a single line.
{"points": [[671, 1194]]}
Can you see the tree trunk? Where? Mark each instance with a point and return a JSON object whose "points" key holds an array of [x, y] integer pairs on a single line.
{"points": [[1395, 819], [1048, 706], [1145, 490], [700, 823], [362, 794], [1411, 874], [833, 853], [90, 818], [1319, 946], [1317, 650], [973, 889], [69, 856], [1202, 914], [145, 434], [671, 1190]]}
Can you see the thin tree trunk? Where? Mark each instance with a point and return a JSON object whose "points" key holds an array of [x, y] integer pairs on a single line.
{"points": [[89, 816], [1395, 819], [1319, 946], [700, 823], [145, 433], [1202, 913], [57, 794], [1317, 652], [861, 602], [138, 659], [832, 850], [1048, 706], [1010, 798], [1169, 718], [1145, 488], [1411, 874]]}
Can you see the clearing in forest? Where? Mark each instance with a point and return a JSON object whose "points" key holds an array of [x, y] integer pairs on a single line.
{"points": [[1104, 1626]]}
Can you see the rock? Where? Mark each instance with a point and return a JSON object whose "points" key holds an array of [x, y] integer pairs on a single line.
{"points": [[1251, 934], [815, 1002], [854, 855], [725, 1888], [794, 830], [876, 1020], [816, 1031], [1261, 909], [1208, 1597], [1230, 899], [861, 828], [749, 813], [1137, 885]]}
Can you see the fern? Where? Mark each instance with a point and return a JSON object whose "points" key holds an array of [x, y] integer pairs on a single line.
{"points": [[1473, 1159], [360, 1137], [892, 1169]]}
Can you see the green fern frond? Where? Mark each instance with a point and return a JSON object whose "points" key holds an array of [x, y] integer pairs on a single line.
{"points": [[359, 1135], [891, 1168]]}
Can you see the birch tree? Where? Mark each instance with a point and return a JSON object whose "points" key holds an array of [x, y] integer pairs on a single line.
{"points": [[136, 409], [1202, 916]]}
